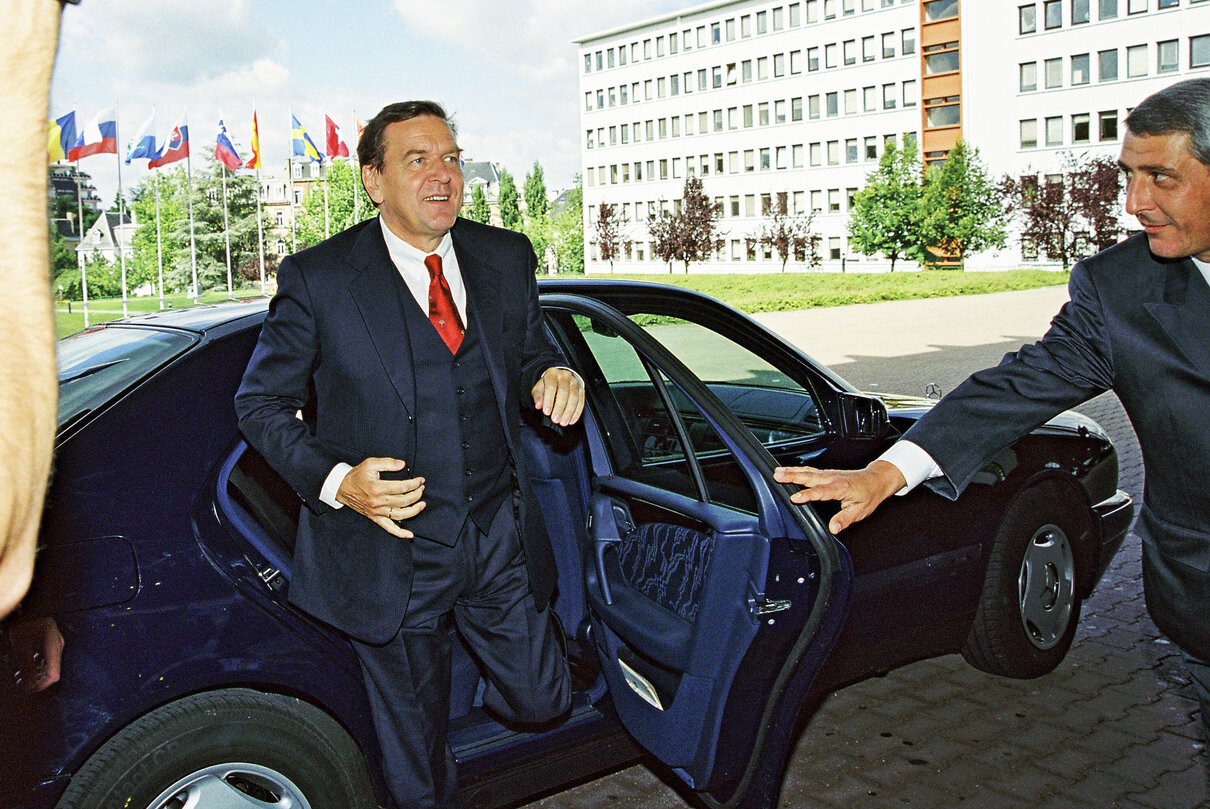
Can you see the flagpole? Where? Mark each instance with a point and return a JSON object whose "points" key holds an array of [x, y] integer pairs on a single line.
{"points": [[327, 225], [226, 230], [159, 245], [80, 250], [260, 233], [197, 292], [356, 172], [117, 240]]}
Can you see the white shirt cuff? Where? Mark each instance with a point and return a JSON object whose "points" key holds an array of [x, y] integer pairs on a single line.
{"points": [[913, 463], [331, 486]]}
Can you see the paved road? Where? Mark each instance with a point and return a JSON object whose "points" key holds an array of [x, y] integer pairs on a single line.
{"points": [[1114, 726]]}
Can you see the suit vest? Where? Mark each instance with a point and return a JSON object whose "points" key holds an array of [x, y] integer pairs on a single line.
{"points": [[461, 450]]}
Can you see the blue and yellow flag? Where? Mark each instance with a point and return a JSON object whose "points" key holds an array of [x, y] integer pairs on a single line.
{"points": [[303, 145], [60, 137]]}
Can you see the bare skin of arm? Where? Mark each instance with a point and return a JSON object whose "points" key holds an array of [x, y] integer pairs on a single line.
{"points": [[28, 383], [859, 491]]}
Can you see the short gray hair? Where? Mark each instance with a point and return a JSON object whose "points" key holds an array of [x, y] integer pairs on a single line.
{"points": [[1183, 107]]}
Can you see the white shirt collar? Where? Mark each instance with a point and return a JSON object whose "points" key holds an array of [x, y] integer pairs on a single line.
{"points": [[409, 261], [1203, 267]]}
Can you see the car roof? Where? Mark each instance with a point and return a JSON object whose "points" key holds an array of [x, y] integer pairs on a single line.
{"points": [[200, 319]]}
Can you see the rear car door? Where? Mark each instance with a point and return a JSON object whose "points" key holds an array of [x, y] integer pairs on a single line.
{"points": [[713, 599]]}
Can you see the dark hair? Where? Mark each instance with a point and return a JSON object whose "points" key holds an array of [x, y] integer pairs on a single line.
{"points": [[1183, 107], [370, 149]]}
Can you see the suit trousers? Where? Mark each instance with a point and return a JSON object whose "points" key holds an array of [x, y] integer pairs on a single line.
{"points": [[482, 582]]}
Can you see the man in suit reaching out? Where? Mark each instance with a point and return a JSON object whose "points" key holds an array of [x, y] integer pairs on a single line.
{"points": [[416, 334], [1138, 323]]}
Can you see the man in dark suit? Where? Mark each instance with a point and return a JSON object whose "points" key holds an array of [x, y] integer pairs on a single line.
{"points": [[1138, 323], [411, 338]]}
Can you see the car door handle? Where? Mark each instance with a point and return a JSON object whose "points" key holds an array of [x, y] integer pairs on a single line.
{"points": [[603, 528]]}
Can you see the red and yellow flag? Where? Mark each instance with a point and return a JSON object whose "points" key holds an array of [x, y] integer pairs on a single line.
{"points": [[254, 161]]}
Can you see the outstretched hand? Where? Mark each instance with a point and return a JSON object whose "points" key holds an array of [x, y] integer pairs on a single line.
{"points": [[859, 491], [38, 646]]}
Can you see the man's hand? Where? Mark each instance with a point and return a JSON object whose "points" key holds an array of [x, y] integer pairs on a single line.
{"points": [[382, 501], [560, 396], [38, 645], [859, 491]]}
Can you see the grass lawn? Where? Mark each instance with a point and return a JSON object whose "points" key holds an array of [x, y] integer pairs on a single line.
{"points": [[749, 293], [103, 309]]}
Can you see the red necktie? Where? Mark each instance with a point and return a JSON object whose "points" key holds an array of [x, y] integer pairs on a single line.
{"points": [[441, 305]]}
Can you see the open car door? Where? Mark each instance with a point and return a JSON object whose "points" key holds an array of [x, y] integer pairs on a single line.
{"points": [[713, 599]]}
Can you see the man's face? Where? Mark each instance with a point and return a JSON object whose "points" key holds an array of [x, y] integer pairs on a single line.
{"points": [[419, 189], [1168, 191]]}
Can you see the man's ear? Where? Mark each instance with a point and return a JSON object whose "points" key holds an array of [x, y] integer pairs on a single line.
{"points": [[370, 180]]}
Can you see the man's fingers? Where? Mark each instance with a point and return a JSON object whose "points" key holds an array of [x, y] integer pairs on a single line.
{"points": [[832, 490], [391, 528]]}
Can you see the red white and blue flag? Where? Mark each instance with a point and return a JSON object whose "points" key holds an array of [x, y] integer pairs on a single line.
{"points": [[100, 136], [177, 147], [224, 149]]}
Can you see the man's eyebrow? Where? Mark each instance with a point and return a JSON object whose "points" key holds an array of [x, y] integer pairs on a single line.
{"points": [[1152, 168]]}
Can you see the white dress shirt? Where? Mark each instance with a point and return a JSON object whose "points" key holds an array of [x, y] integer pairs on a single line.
{"points": [[917, 466]]}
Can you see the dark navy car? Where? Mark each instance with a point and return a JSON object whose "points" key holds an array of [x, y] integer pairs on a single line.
{"points": [[705, 612]]}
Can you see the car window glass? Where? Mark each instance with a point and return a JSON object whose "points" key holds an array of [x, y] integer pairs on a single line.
{"points": [[97, 366], [649, 444], [773, 406]]}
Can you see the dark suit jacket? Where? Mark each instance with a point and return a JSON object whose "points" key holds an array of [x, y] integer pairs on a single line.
{"points": [[336, 331], [1140, 326]]}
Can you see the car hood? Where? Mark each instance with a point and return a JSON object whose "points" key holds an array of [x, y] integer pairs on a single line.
{"points": [[913, 407]]}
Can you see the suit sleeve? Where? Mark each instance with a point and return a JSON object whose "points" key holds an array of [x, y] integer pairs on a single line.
{"points": [[538, 353], [276, 386], [994, 407]]}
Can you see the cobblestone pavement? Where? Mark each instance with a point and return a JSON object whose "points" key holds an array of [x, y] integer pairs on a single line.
{"points": [[1114, 726]]}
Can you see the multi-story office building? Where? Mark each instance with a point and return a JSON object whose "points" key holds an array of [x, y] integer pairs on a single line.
{"points": [[766, 97]]}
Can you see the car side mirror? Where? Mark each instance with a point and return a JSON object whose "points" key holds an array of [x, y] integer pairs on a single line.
{"points": [[862, 416]]}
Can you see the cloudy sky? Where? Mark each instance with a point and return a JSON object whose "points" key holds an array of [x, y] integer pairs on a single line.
{"points": [[506, 71]]}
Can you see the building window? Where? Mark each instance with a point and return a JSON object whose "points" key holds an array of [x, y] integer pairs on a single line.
{"points": [[762, 22], [762, 114], [816, 151], [942, 115], [779, 21], [832, 104], [745, 69], [796, 109], [812, 11], [1107, 65], [779, 112], [1199, 51], [1167, 3], [1080, 125], [1136, 6], [888, 96], [834, 247], [795, 15], [850, 52], [1029, 76], [813, 107], [871, 148], [812, 59], [909, 93], [1079, 12], [850, 150], [779, 65], [868, 53], [834, 202], [747, 116], [937, 60], [833, 153], [1027, 19], [1107, 9], [829, 55], [1080, 68], [1029, 133], [850, 102], [940, 10], [888, 45], [1166, 56], [1053, 13], [1053, 69], [731, 30], [1107, 122], [1136, 61], [1054, 131], [908, 41], [762, 68], [795, 63], [797, 152]]}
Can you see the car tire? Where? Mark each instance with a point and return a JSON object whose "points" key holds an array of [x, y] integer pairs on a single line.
{"points": [[227, 748], [1030, 604]]}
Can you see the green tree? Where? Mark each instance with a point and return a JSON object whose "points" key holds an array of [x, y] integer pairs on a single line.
{"points": [[689, 232], [885, 216], [787, 234], [478, 211], [310, 221], [510, 212], [567, 232], [174, 219], [961, 206], [535, 193]]}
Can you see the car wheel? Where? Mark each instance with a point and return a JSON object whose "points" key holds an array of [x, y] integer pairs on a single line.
{"points": [[226, 749], [1030, 605]]}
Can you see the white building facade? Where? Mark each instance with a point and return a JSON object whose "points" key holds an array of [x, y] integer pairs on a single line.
{"points": [[760, 98]]}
